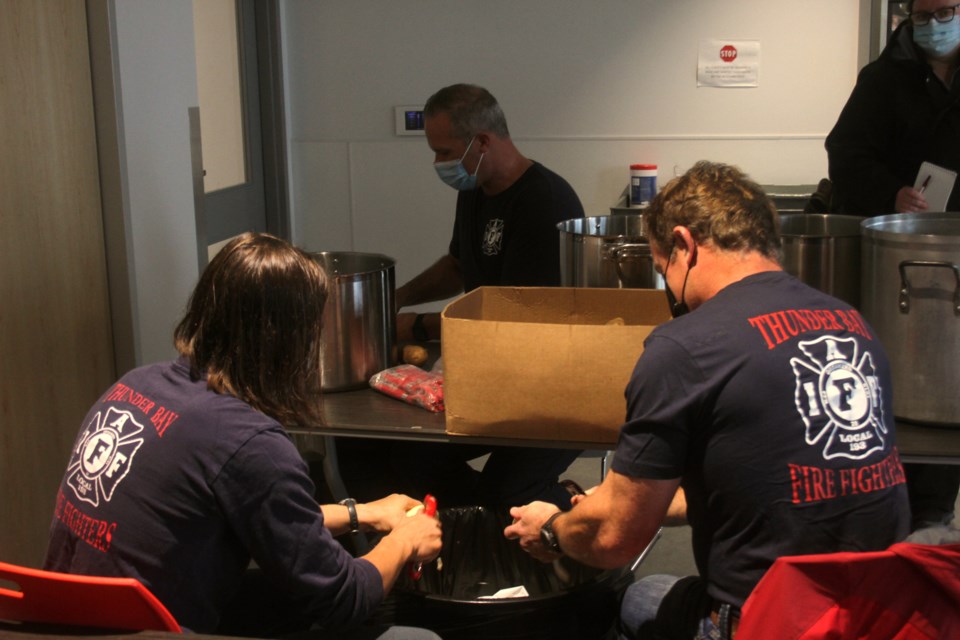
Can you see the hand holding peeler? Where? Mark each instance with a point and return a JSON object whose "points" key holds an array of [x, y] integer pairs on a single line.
{"points": [[415, 569]]}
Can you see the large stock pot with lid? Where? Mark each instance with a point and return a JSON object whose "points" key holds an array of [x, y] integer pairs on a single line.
{"points": [[607, 251], [911, 296]]}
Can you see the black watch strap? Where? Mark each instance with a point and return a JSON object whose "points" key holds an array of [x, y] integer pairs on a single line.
{"points": [[351, 506], [419, 331], [548, 536]]}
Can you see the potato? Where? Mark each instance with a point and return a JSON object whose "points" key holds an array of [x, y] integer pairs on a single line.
{"points": [[414, 354]]}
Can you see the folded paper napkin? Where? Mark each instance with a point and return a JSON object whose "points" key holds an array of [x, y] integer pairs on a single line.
{"points": [[509, 592]]}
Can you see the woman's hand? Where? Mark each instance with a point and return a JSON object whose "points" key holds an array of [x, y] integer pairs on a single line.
{"points": [[385, 514]]}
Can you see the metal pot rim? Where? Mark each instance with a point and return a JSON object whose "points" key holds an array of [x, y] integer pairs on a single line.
{"points": [[826, 224], [927, 227], [589, 227], [377, 262]]}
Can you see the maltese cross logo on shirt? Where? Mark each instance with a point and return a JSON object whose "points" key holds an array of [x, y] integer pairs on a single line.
{"points": [[493, 237], [838, 397], [103, 455]]}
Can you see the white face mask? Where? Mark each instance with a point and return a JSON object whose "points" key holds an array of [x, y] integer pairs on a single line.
{"points": [[938, 39]]}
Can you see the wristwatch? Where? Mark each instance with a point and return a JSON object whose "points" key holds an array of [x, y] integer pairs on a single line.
{"points": [[419, 331], [351, 506], [547, 535]]}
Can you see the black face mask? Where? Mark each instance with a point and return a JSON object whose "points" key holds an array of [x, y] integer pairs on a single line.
{"points": [[676, 308]]}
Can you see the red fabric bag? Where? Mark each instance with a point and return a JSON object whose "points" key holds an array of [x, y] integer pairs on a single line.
{"points": [[908, 591]]}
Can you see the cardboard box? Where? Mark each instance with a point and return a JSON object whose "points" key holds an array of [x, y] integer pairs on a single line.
{"points": [[545, 363]]}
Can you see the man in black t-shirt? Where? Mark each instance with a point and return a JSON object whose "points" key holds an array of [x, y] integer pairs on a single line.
{"points": [[505, 234], [763, 418], [508, 207]]}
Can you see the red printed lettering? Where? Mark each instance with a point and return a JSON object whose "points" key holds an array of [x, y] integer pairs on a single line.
{"points": [[778, 327], [162, 419], [815, 484], [92, 531], [123, 393]]}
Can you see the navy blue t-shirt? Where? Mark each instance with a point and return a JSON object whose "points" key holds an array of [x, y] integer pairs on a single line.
{"points": [[511, 238], [773, 402], [179, 487]]}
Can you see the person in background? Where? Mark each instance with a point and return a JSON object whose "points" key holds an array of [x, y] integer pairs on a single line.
{"points": [[760, 415], [508, 207], [182, 472], [904, 110], [504, 234]]}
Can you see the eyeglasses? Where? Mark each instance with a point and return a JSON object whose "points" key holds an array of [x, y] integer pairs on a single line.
{"points": [[921, 18]]}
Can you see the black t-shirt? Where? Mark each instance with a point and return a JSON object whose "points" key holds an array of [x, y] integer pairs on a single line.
{"points": [[773, 402], [512, 239]]}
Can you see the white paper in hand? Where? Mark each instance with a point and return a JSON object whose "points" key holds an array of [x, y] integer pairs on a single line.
{"points": [[939, 185]]}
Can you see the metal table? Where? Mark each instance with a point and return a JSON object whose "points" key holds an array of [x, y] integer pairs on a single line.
{"points": [[369, 414], [928, 444]]}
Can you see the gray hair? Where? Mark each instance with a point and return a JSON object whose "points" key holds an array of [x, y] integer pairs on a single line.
{"points": [[471, 109]]}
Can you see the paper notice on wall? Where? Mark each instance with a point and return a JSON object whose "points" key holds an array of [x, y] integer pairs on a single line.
{"points": [[728, 63]]}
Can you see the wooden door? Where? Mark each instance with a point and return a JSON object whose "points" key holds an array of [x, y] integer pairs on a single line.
{"points": [[56, 353]]}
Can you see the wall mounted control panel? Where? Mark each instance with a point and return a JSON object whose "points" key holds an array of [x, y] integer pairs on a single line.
{"points": [[409, 120]]}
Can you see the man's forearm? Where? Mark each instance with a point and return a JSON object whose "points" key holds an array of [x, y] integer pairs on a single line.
{"points": [[615, 524], [439, 281], [589, 536]]}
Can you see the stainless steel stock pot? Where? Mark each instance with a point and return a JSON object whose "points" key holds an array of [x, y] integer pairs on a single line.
{"points": [[911, 297], [606, 251], [359, 329], [823, 250]]}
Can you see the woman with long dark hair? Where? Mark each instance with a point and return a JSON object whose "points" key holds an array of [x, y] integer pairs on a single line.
{"points": [[182, 473]]}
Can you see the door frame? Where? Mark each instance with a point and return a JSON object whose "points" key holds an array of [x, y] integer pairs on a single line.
{"points": [[105, 77]]}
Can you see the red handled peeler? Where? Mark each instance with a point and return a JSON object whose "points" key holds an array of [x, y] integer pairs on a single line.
{"points": [[429, 509]]}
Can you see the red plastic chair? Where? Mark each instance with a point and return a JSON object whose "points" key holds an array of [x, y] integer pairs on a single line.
{"points": [[909, 591], [74, 600]]}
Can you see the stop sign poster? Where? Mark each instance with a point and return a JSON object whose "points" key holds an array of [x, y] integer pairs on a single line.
{"points": [[728, 63]]}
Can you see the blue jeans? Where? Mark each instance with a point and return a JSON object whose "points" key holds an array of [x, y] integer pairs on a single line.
{"points": [[662, 607]]}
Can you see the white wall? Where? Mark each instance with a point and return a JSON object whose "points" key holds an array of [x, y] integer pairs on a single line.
{"points": [[587, 87], [158, 83]]}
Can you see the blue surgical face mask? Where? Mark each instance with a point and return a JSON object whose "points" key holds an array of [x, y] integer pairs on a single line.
{"points": [[937, 39], [455, 174]]}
